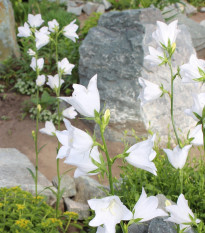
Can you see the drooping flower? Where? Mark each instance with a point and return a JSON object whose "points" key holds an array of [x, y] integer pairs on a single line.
{"points": [[40, 80], [70, 113], [53, 25], [83, 162], [197, 134], [146, 208], [42, 37], [70, 31], [180, 213], [141, 155], [108, 211], [74, 141], [165, 32], [156, 56], [53, 81], [65, 67], [197, 107], [190, 70], [24, 31], [35, 20], [39, 63], [49, 128], [150, 91], [177, 157], [85, 100], [31, 52]]}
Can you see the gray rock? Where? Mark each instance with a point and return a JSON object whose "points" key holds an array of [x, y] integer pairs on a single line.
{"points": [[8, 44], [90, 7], [107, 4], [115, 50], [81, 209], [202, 23], [202, 9], [188, 8], [67, 183], [13, 172], [71, 4], [101, 9], [158, 225], [75, 10], [138, 228], [87, 188]]}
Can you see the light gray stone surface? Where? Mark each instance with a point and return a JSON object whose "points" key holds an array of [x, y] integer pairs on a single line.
{"points": [[90, 7], [202, 23], [67, 183], [107, 4], [13, 172], [87, 188], [75, 10], [101, 9], [81, 209], [202, 9], [115, 50], [8, 44]]}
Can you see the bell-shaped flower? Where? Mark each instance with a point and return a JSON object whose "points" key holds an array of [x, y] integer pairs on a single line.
{"points": [[149, 92], [197, 134], [74, 141], [24, 31], [146, 208], [141, 155], [165, 32], [37, 63], [108, 211], [45, 30], [42, 38], [49, 128], [177, 157], [69, 31], [190, 70], [84, 163], [85, 100], [70, 113], [31, 53], [197, 107], [54, 81], [35, 20], [180, 213], [40, 80], [65, 67], [156, 56], [53, 25]]}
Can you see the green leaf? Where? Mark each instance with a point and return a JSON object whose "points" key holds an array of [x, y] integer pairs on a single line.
{"points": [[197, 115], [41, 148], [32, 174]]}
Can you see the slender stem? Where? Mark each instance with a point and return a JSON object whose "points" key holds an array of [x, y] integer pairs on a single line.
{"points": [[36, 142], [109, 162], [181, 180], [172, 104], [122, 228], [203, 135], [67, 225]]}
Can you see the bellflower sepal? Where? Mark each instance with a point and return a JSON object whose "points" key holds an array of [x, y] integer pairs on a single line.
{"points": [[85, 100], [141, 155], [178, 156], [181, 214], [109, 211]]}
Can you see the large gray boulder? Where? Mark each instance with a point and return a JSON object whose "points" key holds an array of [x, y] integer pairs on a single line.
{"points": [[13, 172], [8, 44], [115, 50]]}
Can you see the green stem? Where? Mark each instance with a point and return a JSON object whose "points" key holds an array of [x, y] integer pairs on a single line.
{"points": [[36, 143], [181, 180], [121, 224], [172, 104], [109, 162], [67, 225]]}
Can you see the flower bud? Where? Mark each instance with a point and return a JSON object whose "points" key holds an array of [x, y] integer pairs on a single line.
{"points": [[39, 108], [168, 203], [107, 116], [173, 47], [33, 134]]}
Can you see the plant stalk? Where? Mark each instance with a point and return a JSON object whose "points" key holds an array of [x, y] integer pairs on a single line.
{"points": [[36, 142], [181, 180]]}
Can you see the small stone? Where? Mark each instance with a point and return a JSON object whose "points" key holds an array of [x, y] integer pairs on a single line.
{"points": [[107, 4], [75, 10], [101, 9], [87, 188], [158, 225], [138, 228], [202, 23], [81, 209], [202, 9], [71, 4], [68, 184], [90, 7]]}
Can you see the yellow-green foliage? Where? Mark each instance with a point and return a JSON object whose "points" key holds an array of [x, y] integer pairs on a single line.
{"points": [[20, 212]]}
